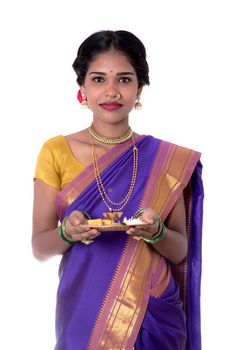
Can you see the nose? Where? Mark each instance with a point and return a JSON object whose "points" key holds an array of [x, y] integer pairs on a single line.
{"points": [[112, 91]]}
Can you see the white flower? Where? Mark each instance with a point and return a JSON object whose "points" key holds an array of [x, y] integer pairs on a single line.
{"points": [[132, 221]]}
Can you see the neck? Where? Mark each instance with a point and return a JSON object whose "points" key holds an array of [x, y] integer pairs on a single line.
{"points": [[110, 129], [104, 138]]}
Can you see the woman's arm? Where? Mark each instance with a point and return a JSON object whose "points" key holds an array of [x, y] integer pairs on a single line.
{"points": [[174, 244], [46, 241]]}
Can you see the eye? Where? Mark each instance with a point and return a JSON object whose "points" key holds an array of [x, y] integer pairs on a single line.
{"points": [[125, 80], [98, 79]]}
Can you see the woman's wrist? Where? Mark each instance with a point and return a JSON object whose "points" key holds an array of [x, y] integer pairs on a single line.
{"points": [[62, 229], [161, 228], [158, 236]]}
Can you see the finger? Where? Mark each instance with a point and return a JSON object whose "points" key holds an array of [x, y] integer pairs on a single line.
{"points": [[147, 227], [148, 217], [72, 230], [144, 232], [91, 234], [84, 230], [75, 218], [131, 231]]}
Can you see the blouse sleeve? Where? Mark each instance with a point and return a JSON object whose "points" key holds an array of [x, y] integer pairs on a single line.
{"points": [[47, 167]]}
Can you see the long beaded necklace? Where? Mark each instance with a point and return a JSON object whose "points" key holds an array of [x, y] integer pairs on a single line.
{"points": [[103, 193]]}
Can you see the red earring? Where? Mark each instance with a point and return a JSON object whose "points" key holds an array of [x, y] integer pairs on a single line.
{"points": [[81, 98]]}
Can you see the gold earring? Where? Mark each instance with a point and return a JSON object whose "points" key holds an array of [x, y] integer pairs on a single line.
{"points": [[138, 104], [84, 103]]}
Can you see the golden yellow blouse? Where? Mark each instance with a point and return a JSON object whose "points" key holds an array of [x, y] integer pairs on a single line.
{"points": [[56, 164]]}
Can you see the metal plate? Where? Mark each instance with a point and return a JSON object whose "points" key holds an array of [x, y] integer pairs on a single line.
{"points": [[117, 226]]}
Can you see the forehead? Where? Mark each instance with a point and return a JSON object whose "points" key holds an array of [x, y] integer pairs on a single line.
{"points": [[111, 61]]}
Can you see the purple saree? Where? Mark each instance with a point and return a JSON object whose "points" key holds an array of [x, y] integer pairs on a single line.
{"points": [[118, 293]]}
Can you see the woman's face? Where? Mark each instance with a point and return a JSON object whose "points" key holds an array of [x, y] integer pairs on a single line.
{"points": [[111, 86]]}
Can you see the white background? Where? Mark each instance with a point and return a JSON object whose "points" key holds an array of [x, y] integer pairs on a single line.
{"points": [[190, 102]]}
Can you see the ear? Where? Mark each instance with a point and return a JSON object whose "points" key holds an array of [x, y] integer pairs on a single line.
{"points": [[82, 89], [139, 91]]}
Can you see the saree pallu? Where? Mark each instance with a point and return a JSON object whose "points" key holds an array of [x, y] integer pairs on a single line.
{"points": [[119, 293]]}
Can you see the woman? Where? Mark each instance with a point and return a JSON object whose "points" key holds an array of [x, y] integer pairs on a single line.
{"points": [[117, 290]]}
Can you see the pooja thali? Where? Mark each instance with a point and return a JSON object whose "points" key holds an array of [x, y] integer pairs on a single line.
{"points": [[116, 226], [109, 224]]}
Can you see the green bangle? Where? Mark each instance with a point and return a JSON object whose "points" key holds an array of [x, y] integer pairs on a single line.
{"points": [[60, 230], [138, 213], [158, 237]]}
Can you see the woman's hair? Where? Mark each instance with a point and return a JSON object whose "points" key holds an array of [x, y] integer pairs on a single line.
{"points": [[121, 41]]}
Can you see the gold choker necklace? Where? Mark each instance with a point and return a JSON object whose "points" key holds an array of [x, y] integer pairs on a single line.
{"points": [[110, 140], [103, 193]]}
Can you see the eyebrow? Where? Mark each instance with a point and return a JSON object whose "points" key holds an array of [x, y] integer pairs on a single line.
{"points": [[120, 73]]}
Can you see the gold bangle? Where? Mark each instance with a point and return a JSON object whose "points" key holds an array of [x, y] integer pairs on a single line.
{"points": [[62, 235], [64, 228]]}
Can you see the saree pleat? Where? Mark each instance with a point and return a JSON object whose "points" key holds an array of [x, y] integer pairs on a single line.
{"points": [[114, 293], [164, 323]]}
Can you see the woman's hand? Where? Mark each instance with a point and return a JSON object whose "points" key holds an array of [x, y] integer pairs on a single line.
{"points": [[148, 230], [174, 244], [77, 230]]}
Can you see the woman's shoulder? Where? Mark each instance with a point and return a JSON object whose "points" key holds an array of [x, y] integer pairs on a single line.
{"points": [[154, 140], [54, 149], [54, 142]]}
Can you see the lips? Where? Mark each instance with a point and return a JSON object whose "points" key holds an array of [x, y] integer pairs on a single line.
{"points": [[111, 106]]}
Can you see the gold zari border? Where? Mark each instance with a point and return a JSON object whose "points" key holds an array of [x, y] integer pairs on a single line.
{"points": [[123, 321]]}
